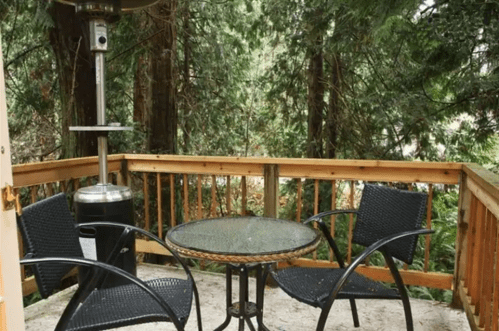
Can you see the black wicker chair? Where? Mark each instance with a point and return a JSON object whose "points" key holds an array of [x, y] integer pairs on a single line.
{"points": [[388, 221], [51, 239]]}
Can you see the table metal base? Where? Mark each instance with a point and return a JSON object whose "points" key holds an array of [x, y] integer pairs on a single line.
{"points": [[244, 309]]}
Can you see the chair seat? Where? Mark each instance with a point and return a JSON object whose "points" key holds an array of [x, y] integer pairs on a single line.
{"points": [[128, 304], [313, 285]]}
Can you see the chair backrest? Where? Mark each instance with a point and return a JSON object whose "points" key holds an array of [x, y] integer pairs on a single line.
{"points": [[48, 230], [385, 211]]}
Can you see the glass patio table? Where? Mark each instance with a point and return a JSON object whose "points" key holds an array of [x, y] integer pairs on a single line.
{"points": [[243, 243]]}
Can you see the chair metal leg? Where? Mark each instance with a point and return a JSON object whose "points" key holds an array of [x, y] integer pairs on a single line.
{"points": [[402, 291], [354, 313], [407, 312], [324, 314], [198, 306]]}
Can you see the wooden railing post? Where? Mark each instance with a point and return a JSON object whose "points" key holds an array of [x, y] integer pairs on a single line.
{"points": [[463, 208], [271, 189], [271, 200], [123, 177]]}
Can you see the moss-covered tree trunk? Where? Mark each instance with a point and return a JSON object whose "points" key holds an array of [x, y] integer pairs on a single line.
{"points": [[142, 94], [187, 100], [315, 100], [69, 39], [163, 132], [334, 107]]}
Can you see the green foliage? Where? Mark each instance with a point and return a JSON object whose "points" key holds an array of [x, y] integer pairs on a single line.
{"points": [[29, 80], [409, 73], [31, 299]]}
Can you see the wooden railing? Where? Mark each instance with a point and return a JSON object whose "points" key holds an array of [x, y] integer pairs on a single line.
{"points": [[184, 182], [476, 281]]}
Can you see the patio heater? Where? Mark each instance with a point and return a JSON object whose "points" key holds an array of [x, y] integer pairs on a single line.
{"points": [[104, 201]]}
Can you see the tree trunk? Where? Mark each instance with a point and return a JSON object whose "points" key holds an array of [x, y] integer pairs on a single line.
{"points": [[334, 109], [315, 101], [186, 87], [142, 95], [75, 64], [163, 133]]}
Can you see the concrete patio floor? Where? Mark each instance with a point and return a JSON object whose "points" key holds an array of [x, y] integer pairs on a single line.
{"points": [[281, 312]]}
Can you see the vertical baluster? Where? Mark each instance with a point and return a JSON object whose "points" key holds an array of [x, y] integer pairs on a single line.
{"points": [[487, 272], [34, 190], [332, 220], [21, 254], [147, 225], [33, 199], [471, 241], [244, 196], [173, 219], [129, 179], [495, 298], [88, 181], [213, 209], [476, 279], [316, 207], [160, 206], [76, 184], [200, 197], [410, 188], [367, 260], [298, 200], [228, 197], [202, 263], [20, 245], [350, 224], [186, 198], [120, 179], [50, 189], [428, 226], [62, 186]]}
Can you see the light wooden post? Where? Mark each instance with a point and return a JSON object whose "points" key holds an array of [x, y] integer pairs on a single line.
{"points": [[464, 204], [271, 189], [11, 304], [123, 175], [270, 200]]}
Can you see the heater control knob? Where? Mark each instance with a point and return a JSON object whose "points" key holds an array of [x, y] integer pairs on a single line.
{"points": [[102, 40]]}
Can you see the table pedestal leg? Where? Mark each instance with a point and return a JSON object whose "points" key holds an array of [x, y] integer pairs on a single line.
{"points": [[261, 277], [228, 298], [244, 309]]}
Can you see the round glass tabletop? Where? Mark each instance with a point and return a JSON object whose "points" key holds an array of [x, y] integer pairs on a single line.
{"points": [[243, 236]]}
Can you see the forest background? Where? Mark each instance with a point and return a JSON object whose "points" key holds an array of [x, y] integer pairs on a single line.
{"points": [[361, 79], [323, 78]]}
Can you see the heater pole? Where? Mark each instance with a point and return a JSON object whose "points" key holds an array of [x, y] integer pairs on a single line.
{"points": [[98, 45]]}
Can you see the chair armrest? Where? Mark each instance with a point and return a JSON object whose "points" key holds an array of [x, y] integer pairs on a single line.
{"points": [[141, 231], [325, 231], [317, 217], [112, 269], [368, 251]]}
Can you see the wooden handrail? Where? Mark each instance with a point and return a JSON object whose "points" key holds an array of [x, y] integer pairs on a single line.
{"points": [[54, 171], [370, 170]]}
